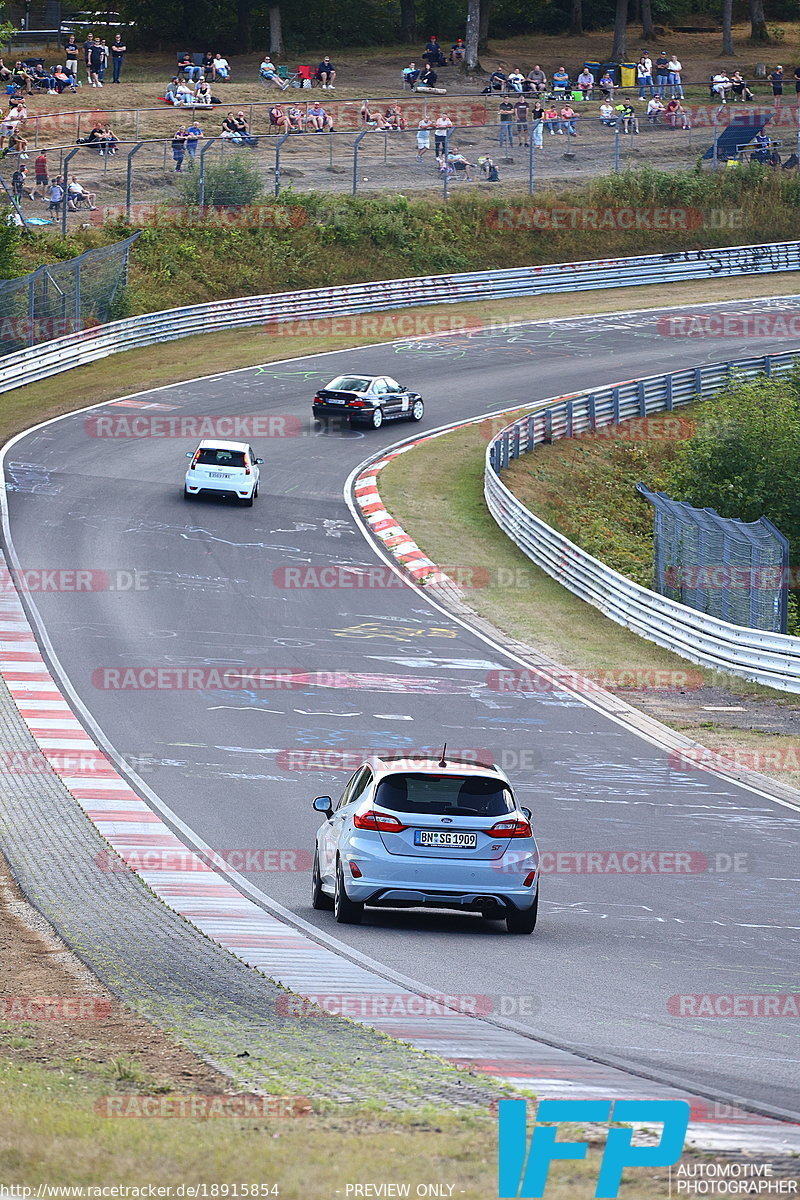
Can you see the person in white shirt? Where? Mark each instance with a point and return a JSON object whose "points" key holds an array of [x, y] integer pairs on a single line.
{"points": [[654, 108], [269, 71], [675, 88], [586, 83], [644, 75], [516, 79], [607, 114], [220, 67], [721, 85]]}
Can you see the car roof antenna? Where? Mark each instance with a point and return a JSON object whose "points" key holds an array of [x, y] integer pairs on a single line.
{"points": [[443, 761]]}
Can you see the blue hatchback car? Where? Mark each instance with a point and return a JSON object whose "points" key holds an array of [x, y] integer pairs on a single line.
{"points": [[427, 832]]}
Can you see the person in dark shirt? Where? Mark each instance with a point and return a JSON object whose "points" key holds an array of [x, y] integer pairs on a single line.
{"points": [[433, 52], [428, 77], [776, 79], [326, 73], [458, 51], [118, 52], [506, 117]]}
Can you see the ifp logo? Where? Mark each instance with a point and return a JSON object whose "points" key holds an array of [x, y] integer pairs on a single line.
{"points": [[523, 1169]]}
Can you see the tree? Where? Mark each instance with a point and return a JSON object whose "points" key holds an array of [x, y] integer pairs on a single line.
{"points": [[727, 29], [618, 50], [473, 34], [408, 21], [758, 22], [648, 32], [483, 28], [244, 26], [275, 31], [576, 18]]}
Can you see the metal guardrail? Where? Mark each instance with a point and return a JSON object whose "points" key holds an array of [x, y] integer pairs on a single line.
{"points": [[772, 659], [90, 345]]}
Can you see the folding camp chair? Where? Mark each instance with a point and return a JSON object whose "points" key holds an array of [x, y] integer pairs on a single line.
{"points": [[306, 76]]}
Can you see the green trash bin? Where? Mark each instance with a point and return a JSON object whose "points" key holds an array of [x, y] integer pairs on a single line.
{"points": [[628, 72]]}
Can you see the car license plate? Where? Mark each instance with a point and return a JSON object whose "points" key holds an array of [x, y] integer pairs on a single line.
{"points": [[335, 400], [218, 475], [450, 837]]}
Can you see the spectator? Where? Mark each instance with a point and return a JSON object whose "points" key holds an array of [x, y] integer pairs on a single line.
{"points": [[326, 73], [796, 86], [423, 137], [278, 120], [521, 113], [95, 62], [18, 143], [55, 194], [202, 93], [18, 181], [740, 88], [87, 47], [515, 79], [537, 80], [586, 83], [71, 52], [76, 193], [433, 52], [220, 68], [720, 86], [269, 72], [776, 79], [560, 82], [41, 79], [229, 127], [171, 90], [427, 77], [319, 119], [367, 118], [655, 107], [8, 125], [675, 112], [458, 51], [568, 119], [62, 81], [630, 122], [607, 86], [296, 118], [21, 78], [674, 69], [411, 74], [395, 118], [183, 94], [41, 172], [662, 74], [498, 81], [208, 65], [488, 169], [118, 52], [460, 164], [186, 66], [194, 135], [537, 125], [506, 114], [179, 147], [104, 64], [110, 140], [644, 76], [551, 118], [441, 132], [607, 116]]}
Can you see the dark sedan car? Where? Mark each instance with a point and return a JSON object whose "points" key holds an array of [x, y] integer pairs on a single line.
{"points": [[367, 400]]}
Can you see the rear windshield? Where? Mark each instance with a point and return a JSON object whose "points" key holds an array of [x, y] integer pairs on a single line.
{"points": [[221, 458], [349, 383], [440, 794]]}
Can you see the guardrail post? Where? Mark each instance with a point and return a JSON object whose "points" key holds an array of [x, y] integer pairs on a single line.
{"points": [[531, 431], [642, 400], [65, 181], [615, 405], [278, 145], [515, 443], [698, 380], [569, 418], [767, 365], [592, 407], [129, 180], [548, 427], [356, 144], [668, 393]]}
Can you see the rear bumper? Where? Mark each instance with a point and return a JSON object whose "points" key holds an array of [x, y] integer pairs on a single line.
{"points": [[220, 487], [347, 416]]}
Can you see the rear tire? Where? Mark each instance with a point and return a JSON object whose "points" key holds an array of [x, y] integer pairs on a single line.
{"points": [[319, 899], [346, 911], [187, 495], [523, 922], [417, 411], [248, 500]]}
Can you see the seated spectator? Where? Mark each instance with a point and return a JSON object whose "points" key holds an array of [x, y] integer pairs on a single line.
{"points": [[720, 86], [427, 77], [296, 119], [8, 125], [326, 73], [220, 68], [498, 81], [202, 93], [630, 122], [208, 65], [739, 87], [560, 81], [109, 139], [568, 120], [433, 53], [537, 80], [551, 118], [5, 72], [17, 142], [62, 81], [21, 78], [394, 117], [319, 119], [411, 74], [607, 116], [243, 130], [171, 90], [269, 72], [189, 68], [278, 120], [183, 93], [460, 164], [676, 112], [515, 79], [229, 128], [42, 79], [607, 86], [458, 51], [77, 195], [367, 117], [654, 109], [586, 83]]}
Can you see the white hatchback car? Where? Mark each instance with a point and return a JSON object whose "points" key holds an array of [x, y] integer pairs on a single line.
{"points": [[427, 832], [223, 468]]}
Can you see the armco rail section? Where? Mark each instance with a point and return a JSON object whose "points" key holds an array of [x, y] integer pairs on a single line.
{"points": [[768, 658], [61, 354]]}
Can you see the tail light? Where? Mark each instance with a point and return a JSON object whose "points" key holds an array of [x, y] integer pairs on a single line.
{"points": [[355, 870], [382, 822], [358, 404], [194, 461], [246, 465], [515, 827], [527, 881]]}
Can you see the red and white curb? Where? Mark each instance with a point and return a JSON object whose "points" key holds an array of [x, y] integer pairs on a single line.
{"points": [[211, 902]]}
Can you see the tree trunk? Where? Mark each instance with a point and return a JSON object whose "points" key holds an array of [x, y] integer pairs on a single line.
{"points": [[244, 26], [647, 21], [758, 22], [727, 29], [408, 21], [618, 50], [483, 25], [576, 18], [275, 31], [473, 33]]}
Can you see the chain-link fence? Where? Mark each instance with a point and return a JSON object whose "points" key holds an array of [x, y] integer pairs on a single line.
{"points": [[62, 298], [735, 570]]}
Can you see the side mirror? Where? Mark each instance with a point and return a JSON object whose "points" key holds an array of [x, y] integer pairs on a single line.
{"points": [[324, 804], [527, 812], [190, 453], [259, 462]]}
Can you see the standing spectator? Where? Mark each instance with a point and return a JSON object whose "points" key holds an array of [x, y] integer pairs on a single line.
{"points": [[776, 79], [537, 80], [796, 81], [118, 52], [102, 72], [440, 134], [458, 51], [220, 68], [586, 83], [644, 76], [96, 63], [194, 134], [87, 47], [537, 123], [71, 51], [18, 181], [326, 73], [675, 87], [568, 119], [55, 194], [521, 116], [40, 170], [662, 75], [179, 147], [506, 116], [423, 137], [551, 118]]}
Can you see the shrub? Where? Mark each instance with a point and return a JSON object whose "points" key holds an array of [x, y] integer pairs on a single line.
{"points": [[234, 180]]}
